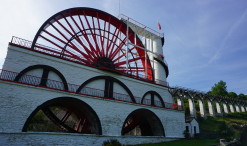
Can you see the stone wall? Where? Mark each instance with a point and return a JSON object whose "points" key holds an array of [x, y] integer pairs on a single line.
{"points": [[69, 139], [20, 58], [19, 101]]}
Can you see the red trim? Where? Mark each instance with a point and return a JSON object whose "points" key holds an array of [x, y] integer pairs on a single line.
{"points": [[82, 93]]}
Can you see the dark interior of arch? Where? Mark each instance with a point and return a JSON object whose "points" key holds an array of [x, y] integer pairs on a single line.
{"points": [[64, 114], [143, 122]]}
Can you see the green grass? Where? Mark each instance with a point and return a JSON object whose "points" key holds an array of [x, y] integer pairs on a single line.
{"points": [[186, 142], [211, 125]]}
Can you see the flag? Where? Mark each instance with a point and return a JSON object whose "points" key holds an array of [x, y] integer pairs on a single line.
{"points": [[159, 26]]}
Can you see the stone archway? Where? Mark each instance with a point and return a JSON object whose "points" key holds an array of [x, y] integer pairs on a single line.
{"points": [[64, 114], [143, 122]]}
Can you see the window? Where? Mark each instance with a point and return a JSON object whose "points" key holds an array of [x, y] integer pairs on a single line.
{"points": [[194, 129], [187, 128]]}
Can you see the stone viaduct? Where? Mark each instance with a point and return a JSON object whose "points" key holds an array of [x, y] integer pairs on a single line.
{"points": [[209, 105]]}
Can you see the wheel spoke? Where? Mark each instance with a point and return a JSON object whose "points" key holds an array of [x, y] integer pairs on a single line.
{"points": [[87, 38], [101, 38], [70, 45], [109, 43], [104, 39], [76, 38], [114, 41], [131, 60], [66, 116], [86, 48], [94, 39], [119, 47], [108, 38], [93, 36], [120, 56]]}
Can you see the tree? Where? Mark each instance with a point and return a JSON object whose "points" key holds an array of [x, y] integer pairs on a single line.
{"points": [[219, 89], [232, 95], [242, 96]]}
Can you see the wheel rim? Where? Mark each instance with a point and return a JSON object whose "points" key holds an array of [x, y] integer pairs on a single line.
{"points": [[95, 38]]}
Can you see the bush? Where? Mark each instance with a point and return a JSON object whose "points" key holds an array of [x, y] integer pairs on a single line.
{"points": [[197, 136], [111, 142], [226, 132], [243, 136], [186, 134]]}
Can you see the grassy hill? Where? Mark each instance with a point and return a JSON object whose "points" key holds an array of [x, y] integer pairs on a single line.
{"points": [[212, 130], [213, 127]]}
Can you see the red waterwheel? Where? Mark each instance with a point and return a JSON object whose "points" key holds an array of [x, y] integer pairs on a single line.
{"points": [[94, 38]]}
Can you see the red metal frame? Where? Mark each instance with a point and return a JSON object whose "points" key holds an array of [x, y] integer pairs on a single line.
{"points": [[15, 41], [87, 34]]}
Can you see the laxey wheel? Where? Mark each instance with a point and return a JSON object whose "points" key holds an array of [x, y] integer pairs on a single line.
{"points": [[94, 38]]}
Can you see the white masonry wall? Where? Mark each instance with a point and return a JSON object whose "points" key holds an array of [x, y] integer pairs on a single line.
{"points": [[154, 44], [70, 139], [19, 58], [18, 101]]}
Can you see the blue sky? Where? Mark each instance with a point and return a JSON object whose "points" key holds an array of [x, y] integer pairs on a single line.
{"points": [[206, 40]]}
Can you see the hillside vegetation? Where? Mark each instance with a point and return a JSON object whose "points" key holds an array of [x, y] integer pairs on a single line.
{"points": [[232, 125]]}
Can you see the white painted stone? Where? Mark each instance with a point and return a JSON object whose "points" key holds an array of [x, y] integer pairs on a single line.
{"points": [[180, 102], [202, 109], [242, 109], [211, 109], [193, 127], [18, 102], [192, 107], [76, 73], [154, 45], [237, 108], [232, 108], [225, 108], [218, 108], [71, 139]]}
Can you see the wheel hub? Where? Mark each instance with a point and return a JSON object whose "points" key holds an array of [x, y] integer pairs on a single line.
{"points": [[105, 63]]}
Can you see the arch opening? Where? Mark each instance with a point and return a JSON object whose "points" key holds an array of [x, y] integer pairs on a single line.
{"points": [[108, 91], [42, 75], [154, 99], [64, 114], [142, 122]]}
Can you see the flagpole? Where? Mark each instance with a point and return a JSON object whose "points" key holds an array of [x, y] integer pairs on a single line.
{"points": [[119, 7]]}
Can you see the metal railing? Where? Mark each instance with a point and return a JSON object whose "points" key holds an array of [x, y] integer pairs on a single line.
{"points": [[57, 53], [72, 88], [126, 18]]}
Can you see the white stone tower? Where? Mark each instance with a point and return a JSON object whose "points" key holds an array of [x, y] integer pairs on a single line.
{"points": [[153, 43]]}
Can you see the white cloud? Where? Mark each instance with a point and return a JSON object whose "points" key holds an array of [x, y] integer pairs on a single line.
{"points": [[228, 36]]}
